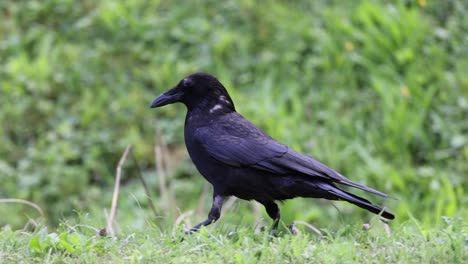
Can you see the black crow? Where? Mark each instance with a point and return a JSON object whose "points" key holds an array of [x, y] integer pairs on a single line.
{"points": [[240, 159]]}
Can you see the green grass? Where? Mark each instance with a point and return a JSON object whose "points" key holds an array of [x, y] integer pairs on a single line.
{"points": [[346, 243]]}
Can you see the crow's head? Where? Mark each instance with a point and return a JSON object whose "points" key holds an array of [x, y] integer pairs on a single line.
{"points": [[198, 90]]}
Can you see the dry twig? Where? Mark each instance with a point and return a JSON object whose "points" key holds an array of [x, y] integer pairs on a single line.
{"points": [[145, 186], [26, 202], [115, 195], [161, 176], [311, 227]]}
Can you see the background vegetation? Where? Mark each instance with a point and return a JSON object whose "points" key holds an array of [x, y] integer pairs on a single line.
{"points": [[376, 89]]}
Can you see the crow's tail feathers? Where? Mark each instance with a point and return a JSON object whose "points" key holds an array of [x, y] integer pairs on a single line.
{"points": [[361, 202]]}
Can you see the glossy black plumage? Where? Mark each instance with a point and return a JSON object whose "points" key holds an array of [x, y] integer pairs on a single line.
{"points": [[239, 159]]}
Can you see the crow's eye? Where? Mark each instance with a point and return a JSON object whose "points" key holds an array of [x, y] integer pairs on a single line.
{"points": [[187, 82]]}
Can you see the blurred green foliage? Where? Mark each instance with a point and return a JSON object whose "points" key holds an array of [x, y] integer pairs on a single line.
{"points": [[376, 89]]}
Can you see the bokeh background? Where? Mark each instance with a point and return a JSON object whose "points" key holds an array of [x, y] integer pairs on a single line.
{"points": [[377, 90]]}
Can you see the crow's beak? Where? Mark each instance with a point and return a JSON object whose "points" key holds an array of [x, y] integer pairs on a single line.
{"points": [[169, 97]]}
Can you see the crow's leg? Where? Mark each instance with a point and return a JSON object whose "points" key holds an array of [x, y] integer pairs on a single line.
{"points": [[274, 212], [214, 214]]}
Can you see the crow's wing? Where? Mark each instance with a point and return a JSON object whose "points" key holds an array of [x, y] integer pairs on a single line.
{"points": [[295, 162], [236, 142]]}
